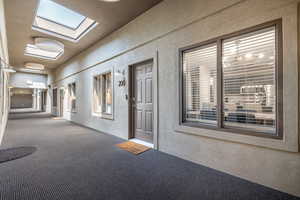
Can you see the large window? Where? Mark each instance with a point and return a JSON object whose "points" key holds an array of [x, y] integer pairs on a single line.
{"points": [[234, 82], [102, 95], [72, 97]]}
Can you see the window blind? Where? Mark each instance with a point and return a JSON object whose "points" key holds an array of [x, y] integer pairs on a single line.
{"points": [[72, 97], [73, 101], [103, 93], [249, 80], [199, 84], [107, 93]]}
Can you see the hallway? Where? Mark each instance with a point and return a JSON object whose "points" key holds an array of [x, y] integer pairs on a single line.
{"points": [[73, 162]]}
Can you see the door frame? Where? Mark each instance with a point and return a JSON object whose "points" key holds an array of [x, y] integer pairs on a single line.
{"points": [[155, 102]]}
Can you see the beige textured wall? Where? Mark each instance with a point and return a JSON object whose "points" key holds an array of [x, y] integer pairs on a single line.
{"points": [[19, 79], [4, 82], [163, 30]]}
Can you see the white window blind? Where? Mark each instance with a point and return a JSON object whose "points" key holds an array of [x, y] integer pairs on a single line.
{"points": [[72, 97], [199, 84], [249, 81], [97, 95]]}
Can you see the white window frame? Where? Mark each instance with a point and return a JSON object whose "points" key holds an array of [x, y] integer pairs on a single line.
{"points": [[98, 112]]}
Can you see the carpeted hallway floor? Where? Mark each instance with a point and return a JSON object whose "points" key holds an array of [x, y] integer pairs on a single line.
{"points": [[76, 163]]}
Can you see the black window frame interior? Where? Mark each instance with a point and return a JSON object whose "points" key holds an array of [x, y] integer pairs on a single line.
{"points": [[278, 82]]}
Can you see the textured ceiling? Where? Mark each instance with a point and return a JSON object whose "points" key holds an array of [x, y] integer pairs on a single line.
{"points": [[110, 16]]}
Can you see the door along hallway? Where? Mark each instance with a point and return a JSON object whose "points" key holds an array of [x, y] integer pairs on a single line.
{"points": [[73, 162]]}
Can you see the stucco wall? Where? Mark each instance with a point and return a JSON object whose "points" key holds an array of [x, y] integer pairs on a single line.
{"points": [[20, 80], [158, 34], [4, 93]]}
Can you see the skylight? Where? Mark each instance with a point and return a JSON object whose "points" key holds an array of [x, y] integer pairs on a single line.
{"points": [[52, 11], [56, 20], [32, 50]]}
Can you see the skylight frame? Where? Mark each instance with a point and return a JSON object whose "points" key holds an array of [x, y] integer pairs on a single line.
{"points": [[61, 23], [59, 30], [64, 36], [42, 53]]}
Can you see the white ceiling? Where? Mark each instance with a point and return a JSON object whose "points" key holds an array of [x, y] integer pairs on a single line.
{"points": [[110, 16]]}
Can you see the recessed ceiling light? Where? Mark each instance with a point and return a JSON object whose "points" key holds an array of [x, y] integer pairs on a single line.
{"points": [[248, 55], [109, 0], [261, 55], [34, 66]]}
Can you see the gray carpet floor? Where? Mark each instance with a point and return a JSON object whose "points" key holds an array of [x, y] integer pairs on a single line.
{"points": [[76, 163]]}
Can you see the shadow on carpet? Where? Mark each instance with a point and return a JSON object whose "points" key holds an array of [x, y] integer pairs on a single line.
{"points": [[15, 153]]}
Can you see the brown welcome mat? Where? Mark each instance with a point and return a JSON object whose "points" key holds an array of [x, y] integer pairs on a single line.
{"points": [[57, 118], [133, 147]]}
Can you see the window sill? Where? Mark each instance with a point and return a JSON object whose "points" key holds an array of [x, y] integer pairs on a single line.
{"points": [[227, 135], [235, 130], [103, 116]]}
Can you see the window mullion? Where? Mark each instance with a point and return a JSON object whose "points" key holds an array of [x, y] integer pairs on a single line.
{"points": [[219, 85]]}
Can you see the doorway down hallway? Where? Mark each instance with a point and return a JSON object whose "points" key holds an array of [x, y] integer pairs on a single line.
{"points": [[73, 162]]}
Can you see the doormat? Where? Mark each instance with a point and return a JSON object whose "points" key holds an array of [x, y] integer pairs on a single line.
{"points": [[57, 118], [15, 153], [133, 147]]}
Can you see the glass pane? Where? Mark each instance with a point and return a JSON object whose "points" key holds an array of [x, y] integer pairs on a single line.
{"points": [[200, 84], [95, 95], [56, 13], [249, 81], [73, 97], [108, 94]]}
